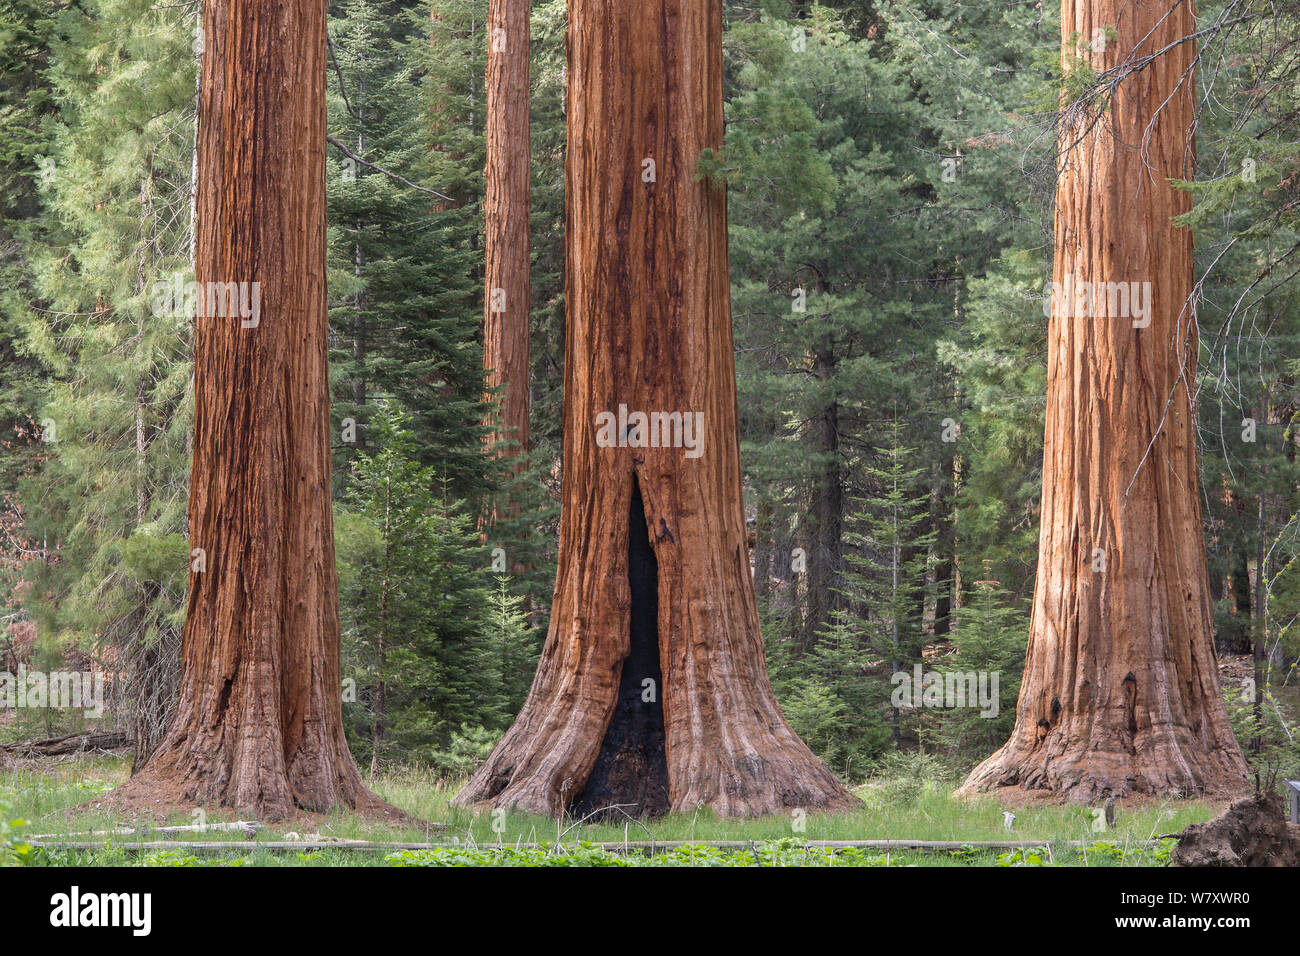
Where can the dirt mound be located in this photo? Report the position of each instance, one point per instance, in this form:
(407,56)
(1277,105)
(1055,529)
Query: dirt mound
(1251,832)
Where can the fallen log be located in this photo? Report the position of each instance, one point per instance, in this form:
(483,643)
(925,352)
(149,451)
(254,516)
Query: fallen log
(248,828)
(67,744)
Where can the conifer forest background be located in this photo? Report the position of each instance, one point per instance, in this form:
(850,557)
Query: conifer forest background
(890,170)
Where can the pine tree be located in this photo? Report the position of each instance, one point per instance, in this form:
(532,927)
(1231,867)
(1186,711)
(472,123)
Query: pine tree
(402,272)
(431,640)
(1245,222)
(839,693)
(26,106)
(888,563)
(988,637)
(819,197)
(115,408)
(1000,360)
(859,209)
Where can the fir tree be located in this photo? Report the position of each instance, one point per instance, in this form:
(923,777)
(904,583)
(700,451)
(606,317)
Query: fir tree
(405,313)
(110,500)
(432,642)
(838,695)
(26,106)
(988,637)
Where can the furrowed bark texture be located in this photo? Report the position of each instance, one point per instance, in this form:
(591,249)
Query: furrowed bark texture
(506,210)
(1121,687)
(649,327)
(259,723)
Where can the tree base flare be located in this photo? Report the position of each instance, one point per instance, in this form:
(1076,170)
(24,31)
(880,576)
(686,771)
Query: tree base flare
(1083,775)
(175,780)
(624,727)
(155,800)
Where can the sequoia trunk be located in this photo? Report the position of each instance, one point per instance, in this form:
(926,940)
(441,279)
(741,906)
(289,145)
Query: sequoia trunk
(506,210)
(649,331)
(1121,688)
(259,723)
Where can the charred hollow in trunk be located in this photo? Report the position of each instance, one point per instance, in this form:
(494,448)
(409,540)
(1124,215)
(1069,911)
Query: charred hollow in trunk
(631,770)
(648,326)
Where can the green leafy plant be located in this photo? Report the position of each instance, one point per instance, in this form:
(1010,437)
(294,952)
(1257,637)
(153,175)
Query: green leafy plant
(14,851)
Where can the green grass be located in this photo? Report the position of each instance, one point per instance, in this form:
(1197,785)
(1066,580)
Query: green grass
(912,807)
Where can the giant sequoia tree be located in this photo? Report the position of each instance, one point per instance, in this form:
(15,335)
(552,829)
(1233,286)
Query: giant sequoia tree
(652,692)
(505,326)
(1121,688)
(259,723)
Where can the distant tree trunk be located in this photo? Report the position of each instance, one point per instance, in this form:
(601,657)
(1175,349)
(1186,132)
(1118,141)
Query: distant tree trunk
(359,346)
(149,659)
(1241,587)
(1259,619)
(652,691)
(381,644)
(943,521)
(777,564)
(259,723)
(825,519)
(958,480)
(506,211)
(1121,686)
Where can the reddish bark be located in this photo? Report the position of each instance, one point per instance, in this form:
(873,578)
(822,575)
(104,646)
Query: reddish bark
(649,327)
(506,211)
(1121,687)
(259,722)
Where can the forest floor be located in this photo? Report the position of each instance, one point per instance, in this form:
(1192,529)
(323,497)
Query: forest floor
(912,802)
(43,793)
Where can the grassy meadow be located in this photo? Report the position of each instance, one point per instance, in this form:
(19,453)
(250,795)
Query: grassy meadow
(42,802)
